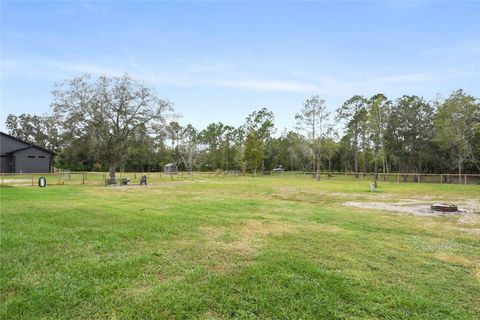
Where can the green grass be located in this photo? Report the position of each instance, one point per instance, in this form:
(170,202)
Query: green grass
(237,248)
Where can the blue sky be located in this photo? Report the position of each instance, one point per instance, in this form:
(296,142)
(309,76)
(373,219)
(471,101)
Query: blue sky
(219,61)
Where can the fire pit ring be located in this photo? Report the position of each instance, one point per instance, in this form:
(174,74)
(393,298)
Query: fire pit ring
(444,207)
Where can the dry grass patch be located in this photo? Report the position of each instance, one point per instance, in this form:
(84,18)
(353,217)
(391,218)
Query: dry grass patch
(461,261)
(245,238)
(472,231)
(454,259)
(227,247)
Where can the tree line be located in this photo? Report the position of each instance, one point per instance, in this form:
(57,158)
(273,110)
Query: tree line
(113,123)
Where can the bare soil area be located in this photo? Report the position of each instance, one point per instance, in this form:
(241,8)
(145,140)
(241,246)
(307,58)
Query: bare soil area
(468,208)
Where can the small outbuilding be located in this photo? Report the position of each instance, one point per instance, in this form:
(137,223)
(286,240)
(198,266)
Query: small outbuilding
(170,168)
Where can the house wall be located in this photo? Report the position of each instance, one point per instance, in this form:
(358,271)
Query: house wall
(8,144)
(32,160)
(4,163)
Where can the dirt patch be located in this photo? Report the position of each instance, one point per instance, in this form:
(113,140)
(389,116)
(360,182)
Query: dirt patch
(18,182)
(401,207)
(473,211)
(421,207)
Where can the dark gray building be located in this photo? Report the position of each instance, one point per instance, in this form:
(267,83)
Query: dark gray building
(18,156)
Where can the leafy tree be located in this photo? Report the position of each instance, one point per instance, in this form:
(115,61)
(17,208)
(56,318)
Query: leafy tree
(254,151)
(456,125)
(379,109)
(345,149)
(262,122)
(39,130)
(228,139)
(313,118)
(330,148)
(409,131)
(108,111)
(212,137)
(188,147)
(295,142)
(173,133)
(141,154)
(354,112)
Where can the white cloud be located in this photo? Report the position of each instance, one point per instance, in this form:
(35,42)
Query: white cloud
(229,75)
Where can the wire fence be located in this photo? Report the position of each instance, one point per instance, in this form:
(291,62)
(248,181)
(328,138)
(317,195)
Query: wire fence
(100,178)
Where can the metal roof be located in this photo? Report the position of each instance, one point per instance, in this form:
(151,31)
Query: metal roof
(30,145)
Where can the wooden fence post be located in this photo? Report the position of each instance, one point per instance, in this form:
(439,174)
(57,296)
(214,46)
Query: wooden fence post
(83,177)
(32,179)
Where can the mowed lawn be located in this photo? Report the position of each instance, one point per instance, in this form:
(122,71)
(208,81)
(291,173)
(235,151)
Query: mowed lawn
(236,248)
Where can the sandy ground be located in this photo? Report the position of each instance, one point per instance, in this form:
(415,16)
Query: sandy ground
(468,209)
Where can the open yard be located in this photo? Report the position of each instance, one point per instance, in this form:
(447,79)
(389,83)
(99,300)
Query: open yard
(237,247)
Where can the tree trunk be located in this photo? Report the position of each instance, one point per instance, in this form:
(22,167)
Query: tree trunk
(111,172)
(226,167)
(459,171)
(356,152)
(318,168)
(330,168)
(254,172)
(384,168)
(375,169)
(364,164)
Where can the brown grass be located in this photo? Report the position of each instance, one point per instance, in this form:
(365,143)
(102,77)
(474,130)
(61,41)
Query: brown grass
(223,244)
(454,259)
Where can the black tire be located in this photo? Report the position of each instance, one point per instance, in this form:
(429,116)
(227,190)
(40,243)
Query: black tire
(42,182)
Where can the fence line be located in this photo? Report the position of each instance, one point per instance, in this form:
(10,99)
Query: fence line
(99,178)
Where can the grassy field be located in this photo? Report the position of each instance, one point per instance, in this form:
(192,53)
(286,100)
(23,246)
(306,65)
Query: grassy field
(242,248)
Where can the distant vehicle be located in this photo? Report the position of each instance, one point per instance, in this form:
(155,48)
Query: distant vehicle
(278,168)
